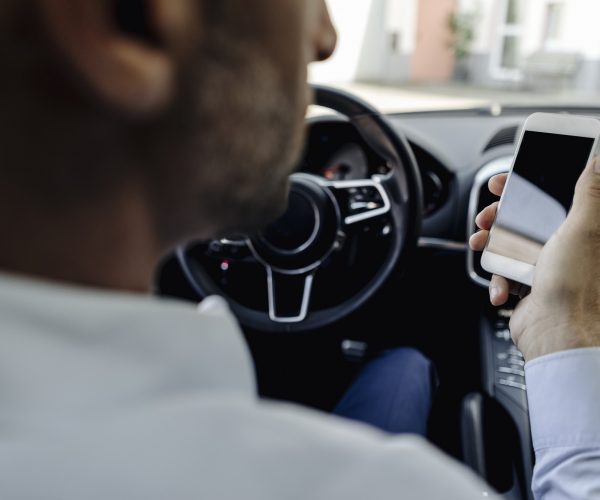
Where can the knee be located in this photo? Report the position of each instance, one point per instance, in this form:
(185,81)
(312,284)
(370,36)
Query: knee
(409,358)
(414,365)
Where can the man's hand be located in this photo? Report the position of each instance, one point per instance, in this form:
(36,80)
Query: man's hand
(500,287)
(563,310)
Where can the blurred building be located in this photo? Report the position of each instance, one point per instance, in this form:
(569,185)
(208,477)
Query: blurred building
(536,43)
(493,43)
(390,41)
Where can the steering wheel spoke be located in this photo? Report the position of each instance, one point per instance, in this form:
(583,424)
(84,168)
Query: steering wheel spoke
(289,295)
(361,200)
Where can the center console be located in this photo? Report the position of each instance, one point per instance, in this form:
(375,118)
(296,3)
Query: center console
(495,423)
(496,433)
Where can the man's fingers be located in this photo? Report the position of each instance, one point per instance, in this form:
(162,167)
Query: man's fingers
(486,217)
(484,221)
(497,183)
(478,241)
(499,290)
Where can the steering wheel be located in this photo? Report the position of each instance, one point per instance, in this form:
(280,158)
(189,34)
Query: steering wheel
(290,254)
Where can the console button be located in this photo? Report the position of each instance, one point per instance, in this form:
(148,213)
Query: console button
(511,371)
(515,361)
(510,383)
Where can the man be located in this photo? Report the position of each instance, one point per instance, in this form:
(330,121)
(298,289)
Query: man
(127,127)
(135,125)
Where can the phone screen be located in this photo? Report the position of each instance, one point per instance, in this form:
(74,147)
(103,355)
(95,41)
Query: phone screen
(539,193)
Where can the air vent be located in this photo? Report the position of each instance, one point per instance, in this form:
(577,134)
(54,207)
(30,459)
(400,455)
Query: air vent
(433,192)
(506,136)
(480,198)
(436,180)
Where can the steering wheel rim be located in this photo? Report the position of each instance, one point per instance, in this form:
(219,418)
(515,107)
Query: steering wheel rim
(402,187)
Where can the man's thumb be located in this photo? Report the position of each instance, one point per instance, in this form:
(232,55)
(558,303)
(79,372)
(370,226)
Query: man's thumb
(587,193)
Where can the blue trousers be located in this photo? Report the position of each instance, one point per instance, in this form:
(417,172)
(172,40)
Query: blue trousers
(393,392)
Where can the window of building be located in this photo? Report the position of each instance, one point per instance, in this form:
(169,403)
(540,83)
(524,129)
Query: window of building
(553,25)
(506,55)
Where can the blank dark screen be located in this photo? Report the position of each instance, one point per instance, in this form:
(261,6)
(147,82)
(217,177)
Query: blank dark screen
(539,193)
(553,163)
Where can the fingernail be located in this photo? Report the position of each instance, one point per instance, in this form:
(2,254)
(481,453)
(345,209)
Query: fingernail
(494,294)
(471,238)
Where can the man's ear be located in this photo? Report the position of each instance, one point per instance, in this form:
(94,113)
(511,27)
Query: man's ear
(127,50)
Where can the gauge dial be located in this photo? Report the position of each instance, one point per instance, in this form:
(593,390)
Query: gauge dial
(348,163)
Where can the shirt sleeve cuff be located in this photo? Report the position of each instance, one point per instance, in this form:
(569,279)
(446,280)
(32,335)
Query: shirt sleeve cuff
(563,390)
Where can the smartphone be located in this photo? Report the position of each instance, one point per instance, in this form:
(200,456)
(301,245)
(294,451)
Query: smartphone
(552,153)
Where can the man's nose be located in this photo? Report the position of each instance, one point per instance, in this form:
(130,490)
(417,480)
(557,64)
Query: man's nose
(325,37)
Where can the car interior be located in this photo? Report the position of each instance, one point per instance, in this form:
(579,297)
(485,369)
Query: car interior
(371,255)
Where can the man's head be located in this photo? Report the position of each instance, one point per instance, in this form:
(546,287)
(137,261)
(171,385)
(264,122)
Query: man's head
(194,106)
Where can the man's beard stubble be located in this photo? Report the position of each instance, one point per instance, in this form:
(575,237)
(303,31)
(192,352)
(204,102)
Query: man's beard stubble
(242,134)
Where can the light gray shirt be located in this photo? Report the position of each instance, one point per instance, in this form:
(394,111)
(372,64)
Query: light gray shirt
(564,403)
(125,397)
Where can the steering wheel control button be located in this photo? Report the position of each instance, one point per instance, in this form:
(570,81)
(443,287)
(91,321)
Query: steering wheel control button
(361,199)
(228,249)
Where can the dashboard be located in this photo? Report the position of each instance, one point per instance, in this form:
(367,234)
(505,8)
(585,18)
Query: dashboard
(437,304)
(457,153)
(471,147)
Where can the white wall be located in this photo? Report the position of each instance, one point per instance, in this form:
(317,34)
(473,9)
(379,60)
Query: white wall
(364,29)
(580,31)
(351,23)
(580,34)
(365,26)
(581,25)
(487,12)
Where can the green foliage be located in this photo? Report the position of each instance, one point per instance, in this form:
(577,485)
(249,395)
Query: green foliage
(462,27)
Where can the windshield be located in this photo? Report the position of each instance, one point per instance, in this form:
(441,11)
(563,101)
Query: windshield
(420,55)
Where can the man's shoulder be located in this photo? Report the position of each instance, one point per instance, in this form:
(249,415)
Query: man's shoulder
(231,446)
